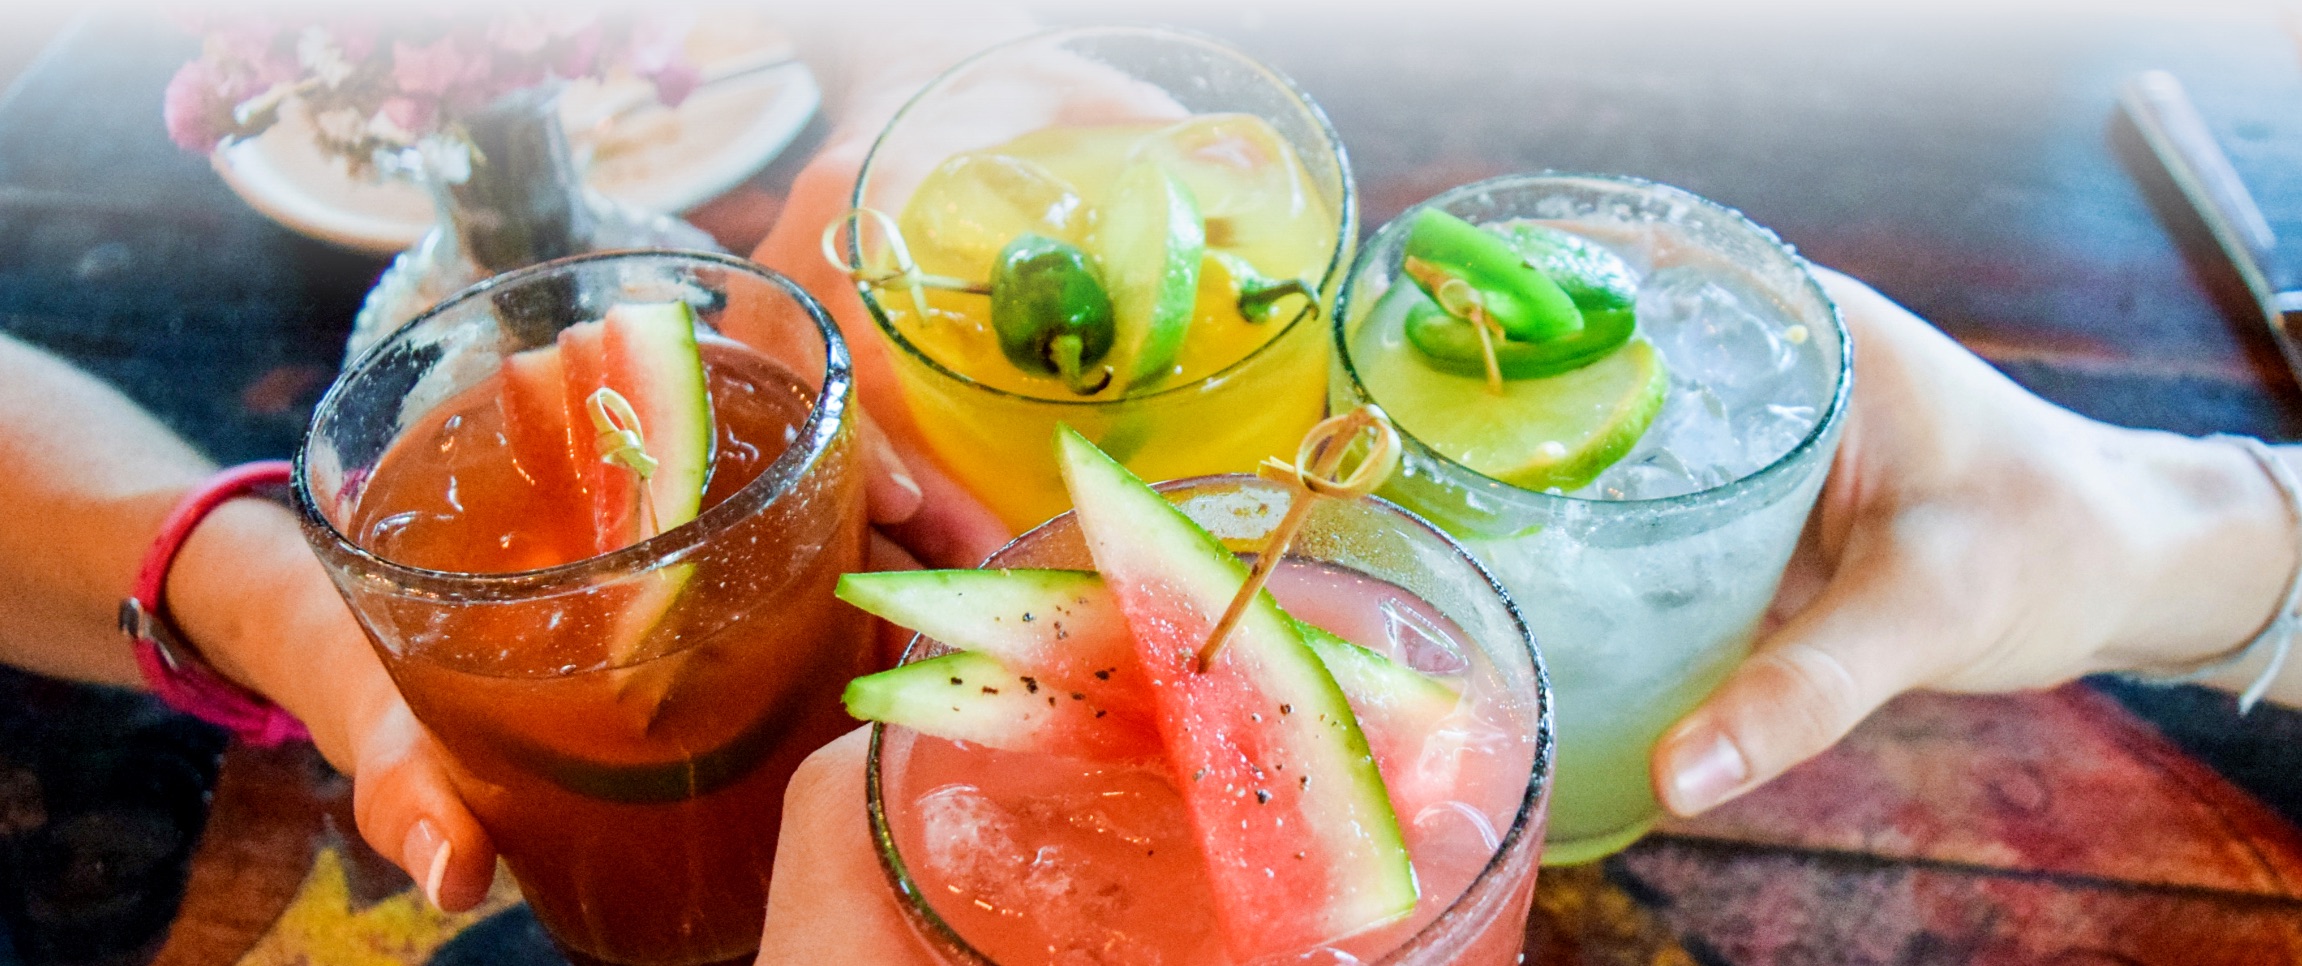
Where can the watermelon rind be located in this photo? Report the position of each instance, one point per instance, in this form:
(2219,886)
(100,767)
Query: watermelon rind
(965,696)
(1282,792)
(652,358)
(1372,681)
(1026,617)
(1034,619)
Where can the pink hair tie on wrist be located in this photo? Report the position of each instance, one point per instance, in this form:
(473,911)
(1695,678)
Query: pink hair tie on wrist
(172,668)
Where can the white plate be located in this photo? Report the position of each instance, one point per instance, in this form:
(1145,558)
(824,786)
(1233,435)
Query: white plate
(655,158)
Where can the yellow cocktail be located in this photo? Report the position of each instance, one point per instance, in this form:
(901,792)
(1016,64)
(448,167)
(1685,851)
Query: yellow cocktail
(1216,219)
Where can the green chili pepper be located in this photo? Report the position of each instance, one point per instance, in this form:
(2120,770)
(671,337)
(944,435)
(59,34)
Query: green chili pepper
(1451,345)
(1051,311)
(1466,268)
(1591,274)
(1259,295)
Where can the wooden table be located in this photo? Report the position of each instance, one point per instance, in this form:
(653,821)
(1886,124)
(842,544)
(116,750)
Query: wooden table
(1965,162)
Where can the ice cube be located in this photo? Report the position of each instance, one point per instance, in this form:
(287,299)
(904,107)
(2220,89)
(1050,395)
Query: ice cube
(1691,446)
(1419,643)
(1709,335)
(970,839)
(1768,431)
(1658,476)
(1079,906)
(1257,200)
(975,203)
(1322,956)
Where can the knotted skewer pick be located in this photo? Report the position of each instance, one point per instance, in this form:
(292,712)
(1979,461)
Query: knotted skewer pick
(621,443)
(1311,476)
(1459,299)
(906,272)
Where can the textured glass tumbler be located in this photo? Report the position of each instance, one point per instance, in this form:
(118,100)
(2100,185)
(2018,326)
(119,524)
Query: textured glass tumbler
(1486,923)
(636,796)
(1642,606)
(995,440)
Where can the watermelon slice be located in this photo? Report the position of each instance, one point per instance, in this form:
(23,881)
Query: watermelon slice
(1077,639)
(1060,626)
(966,696)
(647,354)
(1281,791)
(536,421)
(1401,710)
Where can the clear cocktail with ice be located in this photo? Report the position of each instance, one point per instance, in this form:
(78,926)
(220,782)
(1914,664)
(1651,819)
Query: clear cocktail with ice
(1640,507)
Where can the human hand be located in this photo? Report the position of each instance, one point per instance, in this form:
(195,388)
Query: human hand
(829,900)
(1973,537)
(252,596)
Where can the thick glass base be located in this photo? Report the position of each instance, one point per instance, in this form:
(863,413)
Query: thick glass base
(1579,851)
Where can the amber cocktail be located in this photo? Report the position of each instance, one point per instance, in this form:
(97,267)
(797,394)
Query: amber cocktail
(621,717)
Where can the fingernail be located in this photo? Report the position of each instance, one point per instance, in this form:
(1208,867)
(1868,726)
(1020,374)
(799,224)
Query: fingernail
(1712,777)
(888,509)
(427,850)
(905,481)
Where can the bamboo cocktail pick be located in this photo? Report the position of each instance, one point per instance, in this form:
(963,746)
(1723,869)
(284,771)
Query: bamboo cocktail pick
(1311,476)
(906,272)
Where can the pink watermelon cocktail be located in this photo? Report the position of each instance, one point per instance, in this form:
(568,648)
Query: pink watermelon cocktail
(1019,857)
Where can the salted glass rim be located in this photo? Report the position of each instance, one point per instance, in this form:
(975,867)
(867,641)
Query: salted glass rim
(1842,384)
(826,414)
(921,913)
(1338,264)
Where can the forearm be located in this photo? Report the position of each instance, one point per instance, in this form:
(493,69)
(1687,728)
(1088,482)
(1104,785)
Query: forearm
(88,478)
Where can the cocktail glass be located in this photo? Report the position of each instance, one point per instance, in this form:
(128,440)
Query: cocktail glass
(1642,605)
(1476,895)
(994,437)
(635,798)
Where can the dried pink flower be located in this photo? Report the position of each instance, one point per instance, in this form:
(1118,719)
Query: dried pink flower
(387,81)
(434,68)
(197,107)
(408,113)
(577,54)
(675,82)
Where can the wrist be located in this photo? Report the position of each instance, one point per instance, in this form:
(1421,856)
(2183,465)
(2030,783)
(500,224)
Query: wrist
(250,597)
(2215,548)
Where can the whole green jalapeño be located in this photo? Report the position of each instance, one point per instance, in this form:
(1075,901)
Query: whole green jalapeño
(1051,313)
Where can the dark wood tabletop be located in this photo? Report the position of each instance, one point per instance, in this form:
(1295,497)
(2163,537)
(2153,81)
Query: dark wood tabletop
(1964,160)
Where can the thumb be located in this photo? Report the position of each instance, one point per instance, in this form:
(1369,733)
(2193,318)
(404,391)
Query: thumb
(828,901)
(1862,641)
(408,809)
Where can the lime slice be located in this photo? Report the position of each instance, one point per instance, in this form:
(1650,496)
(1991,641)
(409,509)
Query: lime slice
(973,204)
(1149,240)
(1555,432)
(1252,189)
